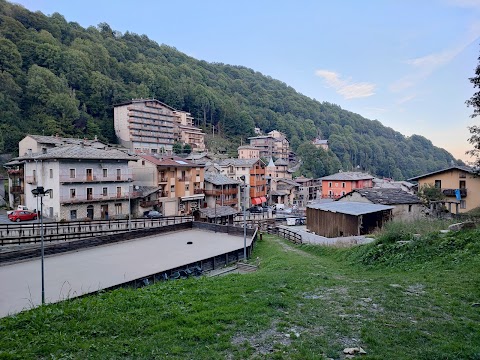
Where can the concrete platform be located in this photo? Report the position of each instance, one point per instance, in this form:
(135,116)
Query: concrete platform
(77,273)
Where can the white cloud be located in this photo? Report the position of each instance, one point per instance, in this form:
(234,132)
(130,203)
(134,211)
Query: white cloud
(405,99)
(465,3)
(345,87)
(424,66)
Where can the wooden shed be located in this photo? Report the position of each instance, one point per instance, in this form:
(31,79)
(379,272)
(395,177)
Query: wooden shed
(337,219)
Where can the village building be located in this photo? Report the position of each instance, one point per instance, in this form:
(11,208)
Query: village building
(406,206)
(179,183)
(84,182)
(274,144)
(284,191)
(32,144)
(248,152)
(343,218)
(320,144)
(220,190)
(151,126)
(253,171)
(459,184)
(309,191)
(339,184)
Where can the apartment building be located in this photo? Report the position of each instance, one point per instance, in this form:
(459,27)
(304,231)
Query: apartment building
(278,169)
(85,182)
(248,152)
(186,133)
(180,183)
(339,184)
(145,125)
(220,190)
(308,191)
(274,144)
(254,172)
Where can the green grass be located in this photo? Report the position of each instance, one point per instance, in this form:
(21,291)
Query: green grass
(396,301)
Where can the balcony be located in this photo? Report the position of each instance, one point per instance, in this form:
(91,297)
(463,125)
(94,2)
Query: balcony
(16,190)
(87,198)
(65,178)
(184,178)
(451,192)
(149,203)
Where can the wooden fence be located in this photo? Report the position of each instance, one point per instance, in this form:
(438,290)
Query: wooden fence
(17,234)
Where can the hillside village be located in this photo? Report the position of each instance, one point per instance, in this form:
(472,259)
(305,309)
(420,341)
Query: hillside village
(90,179)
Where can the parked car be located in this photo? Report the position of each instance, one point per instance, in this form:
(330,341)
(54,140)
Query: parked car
(268,208)
(22,215)
(255,209)
(152,214)
(19,207)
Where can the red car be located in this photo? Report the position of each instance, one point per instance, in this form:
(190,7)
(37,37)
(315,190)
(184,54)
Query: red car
(22,215)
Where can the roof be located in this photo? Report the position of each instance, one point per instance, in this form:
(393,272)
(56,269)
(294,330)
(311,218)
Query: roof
(348,176)
(59,141)
(386,196)
(239,162)
(288,181)
(219,179)
(302,179)
(281,162)
(79,152)
(271,163)
(250,147)
(320,142)
(176,161)
(467,169)
(218,211)
(279,192)
(144,101)
(350,207)
(148,190)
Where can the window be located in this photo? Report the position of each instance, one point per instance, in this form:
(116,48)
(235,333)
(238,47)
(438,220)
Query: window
(329,184)
(73,214)
(119,191)
(187,186)
(51,193)
(438,184)
(34,175)
(72,173)
(343,185)
(463,204)
(119,174)
(409,208)
(330,193)
(105,191)
(463,176)
(143,162)
(154,151)
(172,189)
(343,193)
(51,173)
(72,193)
(118,209)
(105,173)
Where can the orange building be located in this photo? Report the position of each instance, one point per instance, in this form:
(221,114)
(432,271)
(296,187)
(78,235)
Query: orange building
(337,185)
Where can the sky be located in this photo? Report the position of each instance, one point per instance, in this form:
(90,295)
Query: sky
(406,63)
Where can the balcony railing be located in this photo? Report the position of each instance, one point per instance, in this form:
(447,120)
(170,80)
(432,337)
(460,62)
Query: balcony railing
(451,192)
(184,178)
(68,199)
(220,192)
(149,203)
(66,178)
(16,189)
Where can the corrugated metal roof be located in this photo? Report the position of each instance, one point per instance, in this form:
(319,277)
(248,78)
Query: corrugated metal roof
(350,207)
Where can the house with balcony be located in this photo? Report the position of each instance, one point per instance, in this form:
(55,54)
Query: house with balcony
(459,184)
(309,190)
(186,133)
(85,182)
(255,178)
(284,191)
(274,144)
(179,183)
(341,183)
(220,190)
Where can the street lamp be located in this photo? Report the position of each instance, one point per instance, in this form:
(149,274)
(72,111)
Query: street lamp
(129,206)
(39,191)
(244,219)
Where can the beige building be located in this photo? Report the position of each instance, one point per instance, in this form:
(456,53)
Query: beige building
(180,182)
(274,144)
(32,144)
(248,152)
(221,190)
(186,133)
(459,184)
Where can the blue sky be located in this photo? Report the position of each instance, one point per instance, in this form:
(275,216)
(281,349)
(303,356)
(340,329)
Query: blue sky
(403,62)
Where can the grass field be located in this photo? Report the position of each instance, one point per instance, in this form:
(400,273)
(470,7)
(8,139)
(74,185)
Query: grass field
(418,299)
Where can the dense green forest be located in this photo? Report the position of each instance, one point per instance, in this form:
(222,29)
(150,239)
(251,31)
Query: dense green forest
(57,77)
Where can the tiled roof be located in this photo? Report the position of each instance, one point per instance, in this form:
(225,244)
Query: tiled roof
(219,179)
(288,181)
(348,176)
(80,152)
(59,141)
(248,147)
(281,162)
(238,162)
(302,179)
(387,196)
(176,161)
(461,168)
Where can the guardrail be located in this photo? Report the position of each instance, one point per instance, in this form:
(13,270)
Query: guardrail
(16,234)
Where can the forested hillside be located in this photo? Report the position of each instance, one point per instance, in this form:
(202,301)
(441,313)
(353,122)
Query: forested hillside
(57,77)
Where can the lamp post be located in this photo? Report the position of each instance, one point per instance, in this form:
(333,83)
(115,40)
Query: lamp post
(244,219)
(39,191)
(129,205)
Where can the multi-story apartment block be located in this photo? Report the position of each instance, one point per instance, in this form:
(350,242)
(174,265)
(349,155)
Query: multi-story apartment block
(248,152)
(186,133)
(309,190)
(274,144)
(145,125)
(85,182)
(220,190)
(254,172)
(339,184)
(180,182)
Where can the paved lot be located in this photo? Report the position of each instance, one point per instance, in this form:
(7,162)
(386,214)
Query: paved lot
(73,274)
(309,238)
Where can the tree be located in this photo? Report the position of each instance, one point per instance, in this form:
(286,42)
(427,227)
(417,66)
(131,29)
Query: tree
(474,101)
